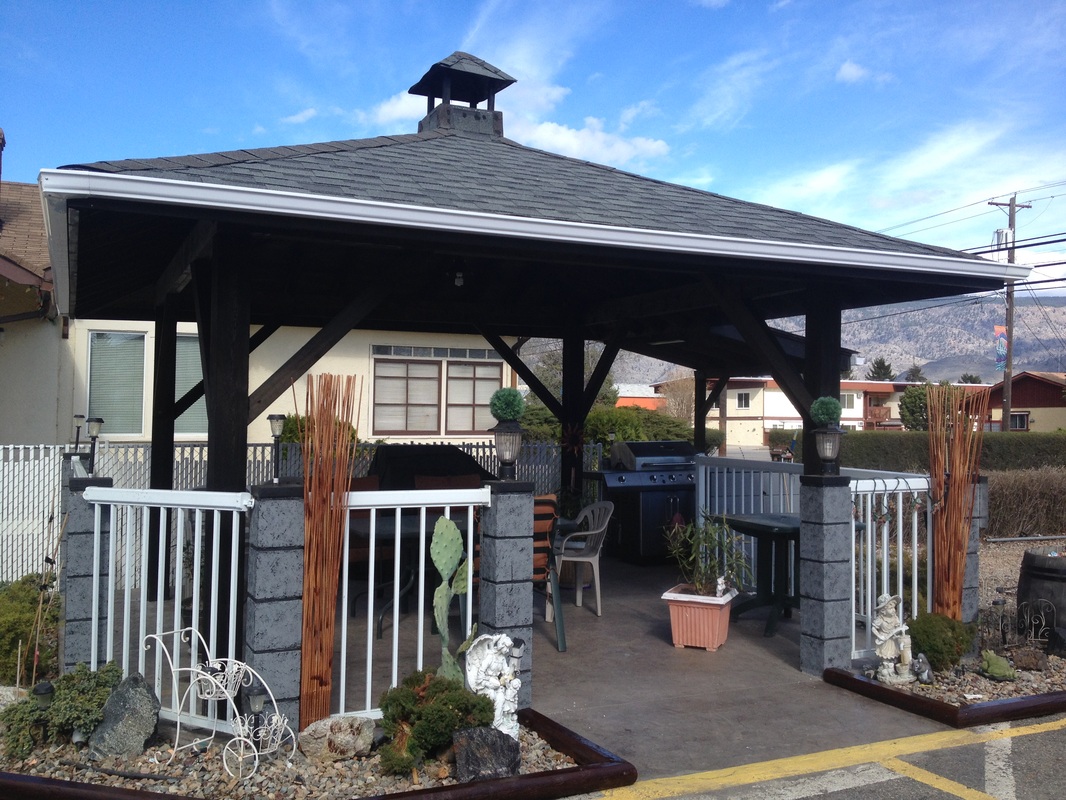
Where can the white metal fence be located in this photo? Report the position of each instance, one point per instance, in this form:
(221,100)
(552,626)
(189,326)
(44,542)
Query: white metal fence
(400,524)
(891,528)
(30,482)
(187,528)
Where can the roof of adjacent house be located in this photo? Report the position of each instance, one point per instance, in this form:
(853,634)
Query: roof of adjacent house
(451,169)
(23,242)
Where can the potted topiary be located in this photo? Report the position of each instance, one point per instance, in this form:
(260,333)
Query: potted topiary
(507,406)
(713,567)
(825,413)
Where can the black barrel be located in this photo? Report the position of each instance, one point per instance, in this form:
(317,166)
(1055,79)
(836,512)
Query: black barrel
(1043,577)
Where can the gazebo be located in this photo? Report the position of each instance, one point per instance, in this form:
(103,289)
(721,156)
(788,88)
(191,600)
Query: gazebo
(457,228)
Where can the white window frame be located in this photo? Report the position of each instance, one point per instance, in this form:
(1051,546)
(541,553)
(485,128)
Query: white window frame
(93,409)
(848,400)
(743,401)
(483,387)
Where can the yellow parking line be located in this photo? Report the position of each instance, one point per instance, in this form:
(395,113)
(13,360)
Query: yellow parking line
(936,781)
(878,752)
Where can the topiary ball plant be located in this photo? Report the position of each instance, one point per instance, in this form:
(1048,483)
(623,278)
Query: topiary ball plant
(507,405)
(825,412)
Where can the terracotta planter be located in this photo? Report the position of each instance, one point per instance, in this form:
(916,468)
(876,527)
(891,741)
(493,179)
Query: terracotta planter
(698,620)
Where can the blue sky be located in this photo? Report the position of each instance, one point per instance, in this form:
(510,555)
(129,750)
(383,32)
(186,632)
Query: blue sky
(883,115)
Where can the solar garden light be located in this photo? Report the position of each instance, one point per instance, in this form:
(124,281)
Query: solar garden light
(92,428)
(825,412)
(43,693)
(507,405)
(277,425)
(256,695)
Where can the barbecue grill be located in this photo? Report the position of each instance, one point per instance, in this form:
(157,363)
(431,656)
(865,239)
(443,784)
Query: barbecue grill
(651,485)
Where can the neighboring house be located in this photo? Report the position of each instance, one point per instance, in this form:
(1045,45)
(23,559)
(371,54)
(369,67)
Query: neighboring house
(640,395)
(1038,402)
(756,405)
(417,387)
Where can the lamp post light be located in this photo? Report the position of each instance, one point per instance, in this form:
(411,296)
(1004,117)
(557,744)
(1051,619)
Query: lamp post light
(277,425)
(508,436)
(827,443)
(92,428)
(43,693)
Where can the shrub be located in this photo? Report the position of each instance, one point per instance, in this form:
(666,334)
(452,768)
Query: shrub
(77,704)
(506,404)
(943,640)
(421,714)
(1027,502)
(19,602)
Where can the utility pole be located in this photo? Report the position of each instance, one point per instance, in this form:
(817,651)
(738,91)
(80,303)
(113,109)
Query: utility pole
(1008,372)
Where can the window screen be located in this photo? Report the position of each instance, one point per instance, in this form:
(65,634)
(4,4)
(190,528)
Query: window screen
(116,381)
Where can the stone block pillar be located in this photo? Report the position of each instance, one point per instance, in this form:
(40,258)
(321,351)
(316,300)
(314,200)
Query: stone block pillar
(76,573)
(978,525)
(273,610)
(506,588)
(825,573)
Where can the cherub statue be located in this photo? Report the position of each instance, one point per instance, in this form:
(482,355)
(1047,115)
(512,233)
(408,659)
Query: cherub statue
(893,645)
(490,671)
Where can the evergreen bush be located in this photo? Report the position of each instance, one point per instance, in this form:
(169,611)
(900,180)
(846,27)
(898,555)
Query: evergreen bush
(19,602)
(943,640)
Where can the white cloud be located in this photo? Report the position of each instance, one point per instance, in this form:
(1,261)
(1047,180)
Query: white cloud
(850,72)
(700,178)
(590,142)
(300,117)
(712,3)
(812,188)
(731,86)
(401,107)
(645,108)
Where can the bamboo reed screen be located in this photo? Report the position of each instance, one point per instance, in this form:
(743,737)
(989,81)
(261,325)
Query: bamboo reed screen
(956,429)
(328,458)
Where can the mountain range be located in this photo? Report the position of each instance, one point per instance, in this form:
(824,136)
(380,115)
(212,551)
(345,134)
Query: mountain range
(946,338)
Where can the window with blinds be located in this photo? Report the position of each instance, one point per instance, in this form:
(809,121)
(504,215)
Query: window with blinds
(116,381)
(470,387)
(407,397)
(188,374)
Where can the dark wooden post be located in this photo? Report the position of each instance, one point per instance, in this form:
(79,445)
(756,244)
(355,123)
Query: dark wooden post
(573,421)
(161,466)
(821,367)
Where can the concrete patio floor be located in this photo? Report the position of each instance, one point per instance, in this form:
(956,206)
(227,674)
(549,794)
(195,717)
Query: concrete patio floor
(673,711)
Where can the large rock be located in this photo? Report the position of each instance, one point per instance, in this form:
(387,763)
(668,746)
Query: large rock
(337,738)
(130,717)
(485,753)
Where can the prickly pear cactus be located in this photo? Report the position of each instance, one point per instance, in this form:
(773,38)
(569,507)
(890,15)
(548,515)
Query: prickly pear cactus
(446,552)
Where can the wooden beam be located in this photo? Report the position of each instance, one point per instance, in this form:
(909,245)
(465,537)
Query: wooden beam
(598,376)
(662,303)
(178,273)
(757,334)
(185,402)
(316,347)
(515,362)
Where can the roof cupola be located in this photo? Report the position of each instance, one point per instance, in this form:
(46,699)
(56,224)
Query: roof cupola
(462,78)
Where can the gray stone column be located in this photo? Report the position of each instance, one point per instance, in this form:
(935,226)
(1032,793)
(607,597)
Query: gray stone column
(506,587)
(273,609)
(76,572)
(825,573)
(978,525)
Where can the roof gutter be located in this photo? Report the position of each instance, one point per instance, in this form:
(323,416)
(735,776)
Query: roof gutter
(58,186)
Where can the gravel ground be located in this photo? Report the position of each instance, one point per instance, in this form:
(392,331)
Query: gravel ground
(203,776)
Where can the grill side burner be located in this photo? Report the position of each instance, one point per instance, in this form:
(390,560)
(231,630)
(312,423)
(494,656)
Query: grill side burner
(651,484)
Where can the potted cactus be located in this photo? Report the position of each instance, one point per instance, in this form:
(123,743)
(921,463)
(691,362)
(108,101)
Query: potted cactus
(713,567)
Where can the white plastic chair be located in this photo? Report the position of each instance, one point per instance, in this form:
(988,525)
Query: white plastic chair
(584,546)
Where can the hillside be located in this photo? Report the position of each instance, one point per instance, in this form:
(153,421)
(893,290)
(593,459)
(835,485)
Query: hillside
(945,337)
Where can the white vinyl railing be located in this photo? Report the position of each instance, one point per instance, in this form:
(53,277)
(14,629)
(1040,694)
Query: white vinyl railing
(401,522)
(30,485)
(187,527)
(892,530)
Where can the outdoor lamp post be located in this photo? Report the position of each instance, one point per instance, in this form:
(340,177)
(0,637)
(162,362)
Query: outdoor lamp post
(827,443)
(277,425)
(508,436)
(92,428)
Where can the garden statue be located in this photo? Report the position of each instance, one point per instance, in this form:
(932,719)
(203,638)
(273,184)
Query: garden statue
(492,671)
(922,670)
(893,644)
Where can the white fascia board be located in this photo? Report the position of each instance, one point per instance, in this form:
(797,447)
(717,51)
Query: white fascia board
(73,183)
